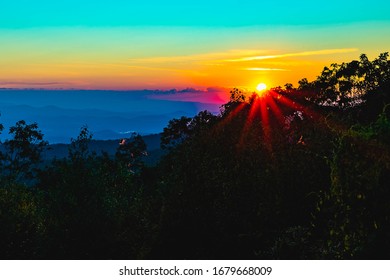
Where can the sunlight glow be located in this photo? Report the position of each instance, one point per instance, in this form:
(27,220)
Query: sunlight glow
(261,87)
(267,110)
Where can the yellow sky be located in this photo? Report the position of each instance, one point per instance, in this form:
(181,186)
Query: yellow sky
(163,58)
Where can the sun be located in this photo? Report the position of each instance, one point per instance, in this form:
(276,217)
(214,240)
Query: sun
(261,87)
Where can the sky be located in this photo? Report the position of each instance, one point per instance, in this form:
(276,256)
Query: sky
(122,45)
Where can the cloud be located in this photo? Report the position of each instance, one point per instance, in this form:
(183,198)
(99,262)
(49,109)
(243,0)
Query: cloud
(30,83)
(212,95)
(205,57)
(307,53)
(264,69)
(230,60)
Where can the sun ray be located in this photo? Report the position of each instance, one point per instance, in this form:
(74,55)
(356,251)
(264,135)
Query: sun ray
(253,113)
(267,114)
(265,124)
(231,115)
(276,110)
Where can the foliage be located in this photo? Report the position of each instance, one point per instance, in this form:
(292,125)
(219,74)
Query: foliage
(22,225)
(78,149)
(22,152)
(345,84)
(355,206)
(178,130)
(130,152)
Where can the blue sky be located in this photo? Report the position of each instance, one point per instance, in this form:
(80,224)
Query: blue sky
(233,13)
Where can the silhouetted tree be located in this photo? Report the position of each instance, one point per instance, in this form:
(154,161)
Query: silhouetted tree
(130,152)
(288,86)
(79,147)
(237,97)
(176,132)
(23,151)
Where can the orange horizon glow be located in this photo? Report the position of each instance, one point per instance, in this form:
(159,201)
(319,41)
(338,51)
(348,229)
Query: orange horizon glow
(79,59)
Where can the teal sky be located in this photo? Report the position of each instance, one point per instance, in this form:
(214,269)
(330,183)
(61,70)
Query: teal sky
(232,13)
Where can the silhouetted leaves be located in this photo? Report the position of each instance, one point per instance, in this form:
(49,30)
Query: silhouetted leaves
(22,152)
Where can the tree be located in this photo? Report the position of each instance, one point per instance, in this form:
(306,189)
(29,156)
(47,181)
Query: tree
(179,130)
(130,152)
(1,127)
(347,84)
(79,147)
(23,151)
(237,98)
(288,86)
(303,84)
(176,132)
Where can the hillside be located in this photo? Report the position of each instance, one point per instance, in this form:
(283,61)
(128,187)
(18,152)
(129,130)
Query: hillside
(152,141)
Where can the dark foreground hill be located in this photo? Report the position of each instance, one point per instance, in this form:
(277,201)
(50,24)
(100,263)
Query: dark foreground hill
(152,141)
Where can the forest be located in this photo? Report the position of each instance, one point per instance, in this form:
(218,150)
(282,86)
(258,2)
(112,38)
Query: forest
(293,173)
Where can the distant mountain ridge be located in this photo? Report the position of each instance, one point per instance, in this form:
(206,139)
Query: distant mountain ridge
(108,114)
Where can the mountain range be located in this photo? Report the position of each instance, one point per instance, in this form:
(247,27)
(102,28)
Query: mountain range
(108,114)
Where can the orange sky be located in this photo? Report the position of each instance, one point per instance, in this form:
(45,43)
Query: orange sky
(179,57)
